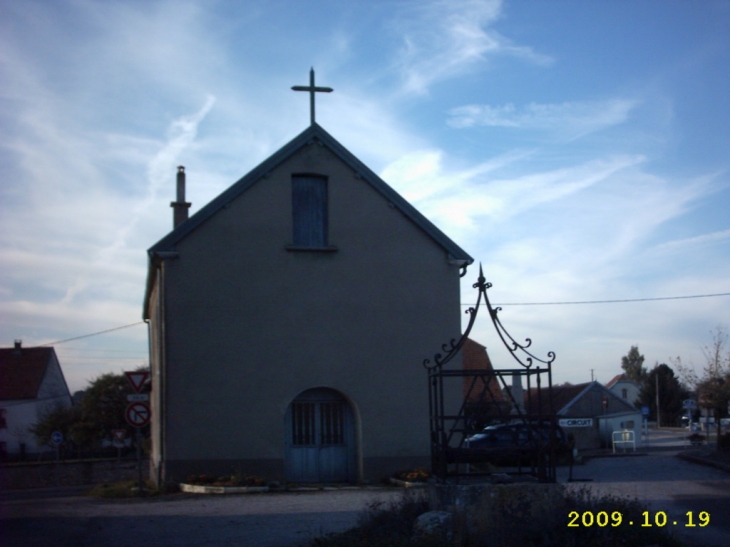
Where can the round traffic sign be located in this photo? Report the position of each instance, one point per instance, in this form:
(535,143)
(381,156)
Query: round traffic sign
(56,437)
(138,414)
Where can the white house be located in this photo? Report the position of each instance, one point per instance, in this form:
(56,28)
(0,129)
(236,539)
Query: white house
(624,389)
(31,383)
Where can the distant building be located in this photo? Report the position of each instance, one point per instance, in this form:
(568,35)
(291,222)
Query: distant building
(591,413)
(626,389)
(31,384)
(289,320)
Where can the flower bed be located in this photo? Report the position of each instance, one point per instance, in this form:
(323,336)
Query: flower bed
(203,489)
(226,484)
(415,478)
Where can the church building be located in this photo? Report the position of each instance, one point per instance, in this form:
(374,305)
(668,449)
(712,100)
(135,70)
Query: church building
(289,319)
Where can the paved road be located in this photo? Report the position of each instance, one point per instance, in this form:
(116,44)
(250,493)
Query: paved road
(266,520)
(667,484)
(661,479)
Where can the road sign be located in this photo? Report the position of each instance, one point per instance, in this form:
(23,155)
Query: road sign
(119,434)
(137,379)
(138,397)
(56,437)
(138,414)
(689,404)
(645,410)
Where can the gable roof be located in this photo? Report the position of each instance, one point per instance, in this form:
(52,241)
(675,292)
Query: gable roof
(566,396)
(22,371)
(619,378)
(313,132)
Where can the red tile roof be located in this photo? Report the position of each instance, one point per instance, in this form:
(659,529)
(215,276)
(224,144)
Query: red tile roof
(475,357)
(617,378)
(22,371)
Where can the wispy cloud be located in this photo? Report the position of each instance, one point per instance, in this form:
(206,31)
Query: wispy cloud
(677,245)
(444,38)
(568,118)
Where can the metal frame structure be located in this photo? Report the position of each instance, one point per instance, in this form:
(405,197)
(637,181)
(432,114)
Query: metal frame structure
(450,454)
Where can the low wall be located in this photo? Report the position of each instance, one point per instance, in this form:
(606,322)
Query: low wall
(69,473)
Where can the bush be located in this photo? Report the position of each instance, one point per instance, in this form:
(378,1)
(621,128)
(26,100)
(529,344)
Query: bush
(236,479)
(391,525)
(385,525)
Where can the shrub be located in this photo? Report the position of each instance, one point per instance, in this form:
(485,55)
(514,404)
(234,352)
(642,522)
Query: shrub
(385,525)
(236,479)
(391,525)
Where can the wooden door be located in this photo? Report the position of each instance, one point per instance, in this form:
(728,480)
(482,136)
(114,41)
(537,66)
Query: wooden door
(320,433)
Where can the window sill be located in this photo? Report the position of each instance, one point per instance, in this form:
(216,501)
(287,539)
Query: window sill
(328,249)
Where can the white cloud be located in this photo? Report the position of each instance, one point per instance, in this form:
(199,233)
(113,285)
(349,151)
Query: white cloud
(569,118)
(444,38)
(679,245)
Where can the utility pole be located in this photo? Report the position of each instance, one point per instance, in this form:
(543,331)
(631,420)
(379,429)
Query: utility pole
(658,415)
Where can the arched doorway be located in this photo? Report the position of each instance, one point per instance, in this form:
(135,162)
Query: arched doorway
(320,438)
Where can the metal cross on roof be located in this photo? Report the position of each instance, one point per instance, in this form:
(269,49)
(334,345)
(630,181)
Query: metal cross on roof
(312,89)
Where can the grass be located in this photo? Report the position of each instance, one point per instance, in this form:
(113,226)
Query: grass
(391,525)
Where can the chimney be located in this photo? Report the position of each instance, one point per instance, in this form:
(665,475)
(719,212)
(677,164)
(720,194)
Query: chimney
(18,346)
(180,207)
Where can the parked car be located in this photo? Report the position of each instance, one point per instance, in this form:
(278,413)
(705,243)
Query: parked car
(515,434)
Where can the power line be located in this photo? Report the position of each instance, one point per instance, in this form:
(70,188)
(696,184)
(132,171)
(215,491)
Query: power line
(607,301)
(463,304)
(92,334)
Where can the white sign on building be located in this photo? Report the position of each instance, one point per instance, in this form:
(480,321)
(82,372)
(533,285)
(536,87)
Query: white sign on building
(576,422)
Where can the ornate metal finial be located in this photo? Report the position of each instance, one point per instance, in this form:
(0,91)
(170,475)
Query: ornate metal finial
(312,90)
(518,351)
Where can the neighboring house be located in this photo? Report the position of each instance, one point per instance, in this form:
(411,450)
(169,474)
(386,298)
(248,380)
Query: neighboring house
(31,383)
(591,413)
(289,319)
(625,389)
(482,391)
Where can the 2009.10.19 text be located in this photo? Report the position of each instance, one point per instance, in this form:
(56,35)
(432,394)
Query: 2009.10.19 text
(648,519)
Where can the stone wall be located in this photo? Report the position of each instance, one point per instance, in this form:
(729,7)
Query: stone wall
(69,473)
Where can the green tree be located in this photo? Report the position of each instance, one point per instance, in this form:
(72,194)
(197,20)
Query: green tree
(58,418)
(671,395)
(100,410)
(633,365)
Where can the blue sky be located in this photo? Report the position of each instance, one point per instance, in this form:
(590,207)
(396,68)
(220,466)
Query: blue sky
(579,149)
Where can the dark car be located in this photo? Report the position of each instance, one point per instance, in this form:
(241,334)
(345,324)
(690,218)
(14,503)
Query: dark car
(517,442)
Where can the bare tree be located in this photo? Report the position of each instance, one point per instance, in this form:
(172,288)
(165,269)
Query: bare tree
(713,385)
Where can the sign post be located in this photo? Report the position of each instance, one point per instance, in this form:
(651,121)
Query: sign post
(57,440)
(138,413)
(645,416)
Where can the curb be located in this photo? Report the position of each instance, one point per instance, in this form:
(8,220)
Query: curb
(199,489)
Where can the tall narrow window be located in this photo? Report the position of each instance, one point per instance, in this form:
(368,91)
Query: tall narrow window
(309,210)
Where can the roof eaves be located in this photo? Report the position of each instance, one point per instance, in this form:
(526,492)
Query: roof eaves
(393,197)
